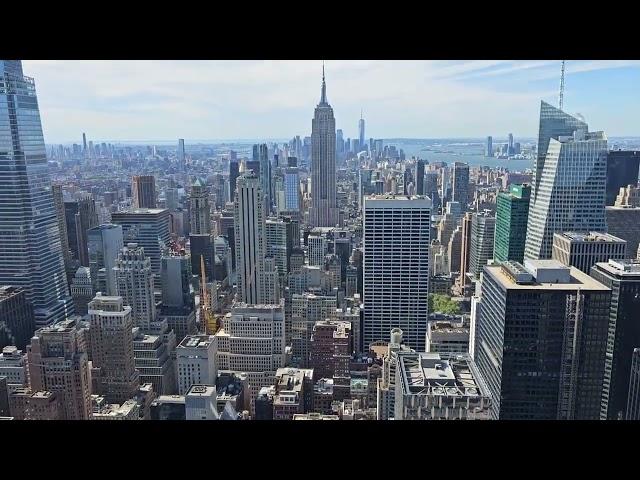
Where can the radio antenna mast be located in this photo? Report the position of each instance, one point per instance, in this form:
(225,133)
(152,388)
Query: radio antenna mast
(561,86)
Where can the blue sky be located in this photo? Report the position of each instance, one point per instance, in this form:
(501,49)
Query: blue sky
(166,100)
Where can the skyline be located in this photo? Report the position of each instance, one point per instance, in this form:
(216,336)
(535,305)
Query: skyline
(236,100)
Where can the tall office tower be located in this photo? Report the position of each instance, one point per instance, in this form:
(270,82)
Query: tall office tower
(149,228)
(512,212)
(104,243)
(58,363)
(234,173)
(176,276)
(454,250)
(361,132)
(16,317)
(339,143)
(461,184)
(111,327)
(541,341)
(252,341)
(196,362)
(271,285)
(30,248)
(82,290)
(199,209)
(510,145)
(571,192)
(250,239)
(323,211)
(292,189)
(182,159)
(407,182)
(306,310)
(465,249)
(396,238)
(134,283)
(85,150)
(330,352)
(80,216)
(419,174)
(483,228)
(633,400)
(553,123)
(584,249)
(489,148)
(276,244)
(153,361)
(622,170)
(623,278)
(355,144)
(318,248)
(143,191)
(264,174)
(58,200)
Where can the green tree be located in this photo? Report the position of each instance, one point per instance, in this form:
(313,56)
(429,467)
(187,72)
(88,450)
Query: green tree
(444,304)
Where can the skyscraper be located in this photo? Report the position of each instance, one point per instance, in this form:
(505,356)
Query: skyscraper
(199,209)
(234,172)
(461,184)
(541,341)
(104,243)
(622,170)
(112,348)
(323,211)
(396,238)
(633,401)
(489,149)
(569,194)
(58,362)
(623,278)
(181,155)
(420,177)
(143,191)
(30,248)
(584,249)
(510,145)
(361,132)
(134,283)
(16,318)
(265,177)
(483,229)
(250,239)
(58,200)
(292,189)
(512,212)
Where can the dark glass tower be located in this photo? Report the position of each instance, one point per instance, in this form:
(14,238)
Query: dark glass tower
(30,247)
(512,212)
(622,170)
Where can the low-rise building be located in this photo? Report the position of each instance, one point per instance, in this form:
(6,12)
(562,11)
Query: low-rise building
(42,405)
(13,366)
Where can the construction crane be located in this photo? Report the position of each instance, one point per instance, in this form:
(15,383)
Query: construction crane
(209,320)
(561,86)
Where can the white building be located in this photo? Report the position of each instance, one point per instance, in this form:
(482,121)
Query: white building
(13,366)
(252,341)
(584,250)
(196,360)
(396,267)
(318,248)
(201,403)
(134,283)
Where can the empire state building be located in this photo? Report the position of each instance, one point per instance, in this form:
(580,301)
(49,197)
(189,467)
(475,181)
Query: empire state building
(323,211)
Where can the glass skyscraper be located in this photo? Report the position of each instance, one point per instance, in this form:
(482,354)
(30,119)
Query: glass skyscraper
(512,211)
(569,189)
(30,246)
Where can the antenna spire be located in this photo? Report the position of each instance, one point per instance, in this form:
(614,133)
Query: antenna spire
(323,97)
(561,100)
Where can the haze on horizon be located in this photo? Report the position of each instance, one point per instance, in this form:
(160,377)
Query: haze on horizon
(165,100)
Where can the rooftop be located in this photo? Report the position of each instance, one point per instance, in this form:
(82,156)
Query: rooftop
(625,268)
(201,391)
(589,236)
(576,278)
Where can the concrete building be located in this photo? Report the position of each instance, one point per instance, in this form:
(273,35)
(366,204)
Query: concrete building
(58,363)
(13,367)
(25,404)
(199,209)
(201,403)
(147,227)
(58,200)
(293,392)
(541,340)
(584,250)
(176,281)
(153,361)
(80,216)
(104,243)
(465,250)
(17,323)
(622,170)
(318,248)
(628,196)
(330,352)
(196,362)
(82,290)
(129,410)
(276,244)
(447,337)
(143,191)
(252,341)
(112,348)
(439,386)
(396,238)
(623,278)
(460,190)
(168,407)
(135,284)
(306,310)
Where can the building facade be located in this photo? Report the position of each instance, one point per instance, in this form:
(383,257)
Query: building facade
(512,212)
